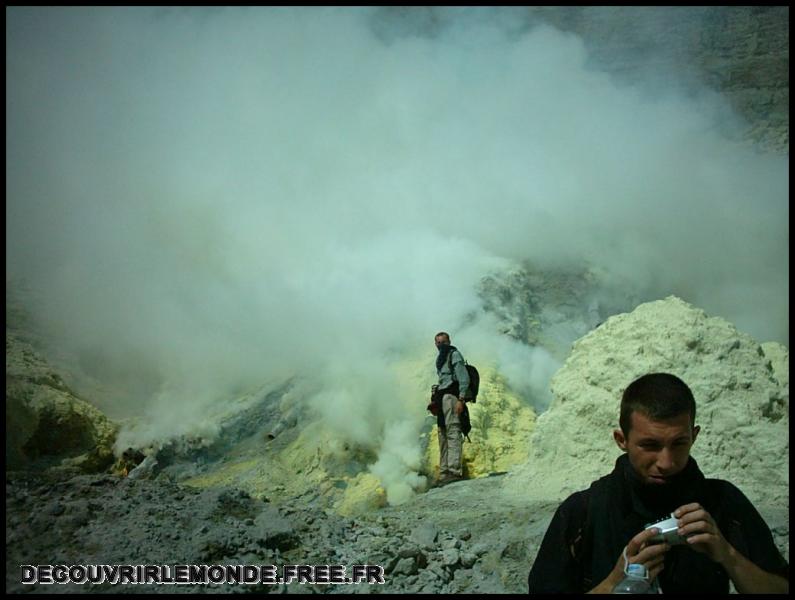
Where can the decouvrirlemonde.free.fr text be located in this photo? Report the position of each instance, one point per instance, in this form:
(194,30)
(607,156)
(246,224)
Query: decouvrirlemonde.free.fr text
(201,574)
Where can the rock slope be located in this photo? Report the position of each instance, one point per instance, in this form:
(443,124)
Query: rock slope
(741,390)
(46,423)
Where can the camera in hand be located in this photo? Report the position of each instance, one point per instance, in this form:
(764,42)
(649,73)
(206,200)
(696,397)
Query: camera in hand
(668,527)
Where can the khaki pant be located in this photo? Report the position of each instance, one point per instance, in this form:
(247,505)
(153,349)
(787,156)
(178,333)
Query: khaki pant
(450,439)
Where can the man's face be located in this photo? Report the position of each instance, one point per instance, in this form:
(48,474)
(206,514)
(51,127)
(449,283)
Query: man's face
(441,340)
(657,449)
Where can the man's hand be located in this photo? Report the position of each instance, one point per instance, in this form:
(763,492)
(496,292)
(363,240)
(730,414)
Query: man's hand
(702,533)
(639,550)
(459,406)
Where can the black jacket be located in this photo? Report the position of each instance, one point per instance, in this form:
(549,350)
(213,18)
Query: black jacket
(590,529)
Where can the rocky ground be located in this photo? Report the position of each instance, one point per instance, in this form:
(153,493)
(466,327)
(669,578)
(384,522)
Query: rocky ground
(471,536)
(465,537)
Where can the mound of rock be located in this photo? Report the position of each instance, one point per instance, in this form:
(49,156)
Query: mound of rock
(47,425)
(741,390)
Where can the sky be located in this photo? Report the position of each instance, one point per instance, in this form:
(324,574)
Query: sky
(206,199)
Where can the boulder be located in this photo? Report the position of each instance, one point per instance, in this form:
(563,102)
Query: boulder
(47,425)
(741,390)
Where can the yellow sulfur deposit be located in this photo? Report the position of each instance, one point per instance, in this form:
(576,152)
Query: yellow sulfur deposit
(363,494)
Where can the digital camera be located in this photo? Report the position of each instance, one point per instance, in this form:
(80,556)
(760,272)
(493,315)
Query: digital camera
(667,526)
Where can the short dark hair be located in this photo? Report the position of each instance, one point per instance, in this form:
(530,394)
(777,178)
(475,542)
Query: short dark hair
(659,396)
(444,333)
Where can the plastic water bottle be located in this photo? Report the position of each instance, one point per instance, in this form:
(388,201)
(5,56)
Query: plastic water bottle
(634,582)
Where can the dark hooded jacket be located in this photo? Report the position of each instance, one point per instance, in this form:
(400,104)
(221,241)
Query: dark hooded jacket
(590,529)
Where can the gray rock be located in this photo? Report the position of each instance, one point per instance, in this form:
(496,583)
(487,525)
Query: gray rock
(480,549)
(451,543)
(450,557)
(272,530)
(425,535)
(376,531)
(389,563)
(406,566)
(55,509)
(468,559)
(144,469)
(408,551)
(441,574)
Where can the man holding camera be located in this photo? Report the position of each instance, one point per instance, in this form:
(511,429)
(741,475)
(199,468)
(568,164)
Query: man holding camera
(713,534)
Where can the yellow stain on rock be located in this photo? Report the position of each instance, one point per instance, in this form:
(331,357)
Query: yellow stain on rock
(226,474)
(317,461)
(363,494)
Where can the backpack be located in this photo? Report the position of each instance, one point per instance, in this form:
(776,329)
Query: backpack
(474,384)
(474,381)
(474,378)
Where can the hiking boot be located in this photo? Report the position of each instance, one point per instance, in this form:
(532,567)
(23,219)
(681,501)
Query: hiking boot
(439,482)
(445,479)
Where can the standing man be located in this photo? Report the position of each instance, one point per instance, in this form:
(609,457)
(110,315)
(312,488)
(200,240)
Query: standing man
(719,535)
(449,402)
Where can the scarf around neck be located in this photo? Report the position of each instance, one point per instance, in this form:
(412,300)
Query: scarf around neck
(655,501)
(444,350)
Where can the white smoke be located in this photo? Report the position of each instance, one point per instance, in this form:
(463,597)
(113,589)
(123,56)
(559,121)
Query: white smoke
(399,461)
(207,199)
